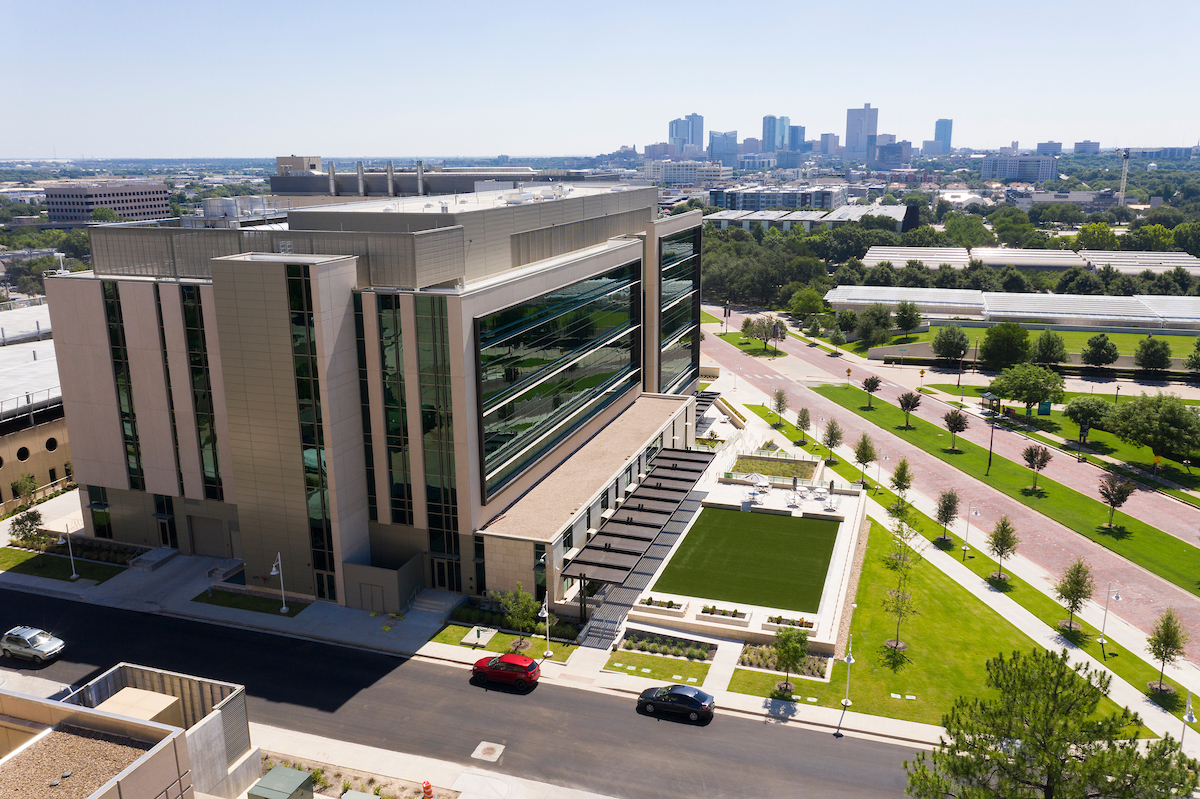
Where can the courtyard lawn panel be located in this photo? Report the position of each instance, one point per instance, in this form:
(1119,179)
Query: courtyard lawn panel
(753,346)
(54,567)
(774,468)
(661,668)
(251,602)
(502,642)
(741,558)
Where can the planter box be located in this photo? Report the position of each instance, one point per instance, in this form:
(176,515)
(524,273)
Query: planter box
(677,613)
(771,627)
(730,620)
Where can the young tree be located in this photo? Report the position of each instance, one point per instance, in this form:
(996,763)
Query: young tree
(947,509)
(833,437)
(909,402)
(1037,735)
(24,486)
(908,316)
(1004,344)
(1192,361)
(806,302)
(837,338)
(1002,542)
(1100,351)
(956,422)
(1028,384)
(871,385)
(1036,458)
(791,647)
(901,482)
(1088,411)
(1114,490)
(951,342)
(779,403)
(899,604)
(1153,354)
(1049,347)
(26,528)
(1167,642)
(1162,422)
(1075,588)
(864,454)
(814,328)
(520,609)
(803,422)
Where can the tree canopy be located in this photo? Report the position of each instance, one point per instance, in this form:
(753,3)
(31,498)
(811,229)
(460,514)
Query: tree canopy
(1161,422)
(1004,344)
(1028,384)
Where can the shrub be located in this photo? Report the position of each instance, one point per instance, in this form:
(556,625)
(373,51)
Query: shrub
(628,644)
(677,651)
(652,649)
(641,646)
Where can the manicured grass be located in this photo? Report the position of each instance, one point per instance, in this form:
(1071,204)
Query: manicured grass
(661,668)
(752,346)
(502,642)
(258,604)
(706,318)
(1109,396)
(774,468)
(705,385)
(1163,554)
(56,567)
(950,641)
(859,348)
(810,342)
(752,559)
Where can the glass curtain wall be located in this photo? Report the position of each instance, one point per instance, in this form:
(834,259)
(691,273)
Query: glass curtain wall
(120,364)
(395,408)
(162,343)
(679,329)
(202,395)
(312,434)
(437,425)
(365,402)
(548,365)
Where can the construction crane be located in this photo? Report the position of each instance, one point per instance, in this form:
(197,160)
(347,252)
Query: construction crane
(1124,174)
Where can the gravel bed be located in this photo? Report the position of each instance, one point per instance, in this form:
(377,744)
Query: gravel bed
(93,758)
(860,552)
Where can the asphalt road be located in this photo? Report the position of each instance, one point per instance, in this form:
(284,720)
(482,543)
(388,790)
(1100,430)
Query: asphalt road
(571,737)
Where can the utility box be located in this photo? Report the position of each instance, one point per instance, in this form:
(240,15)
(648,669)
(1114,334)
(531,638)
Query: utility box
(283,783)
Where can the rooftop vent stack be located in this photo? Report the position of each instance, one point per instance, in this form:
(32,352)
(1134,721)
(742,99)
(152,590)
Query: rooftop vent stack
(362,181)
(332,181)
(445,207)
(420,178)
(391,180)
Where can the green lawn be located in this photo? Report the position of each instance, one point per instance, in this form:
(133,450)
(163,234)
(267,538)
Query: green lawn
(258,604)
(859,348)
(56,567)
(1133,539)
(1129,666)
(706,318)
(977,391)
(950,642)
(661,668)
(752,559)
(775,468)
(752,346)
(502,642)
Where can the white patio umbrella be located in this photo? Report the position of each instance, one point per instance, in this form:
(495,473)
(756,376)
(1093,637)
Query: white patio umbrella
(758,480)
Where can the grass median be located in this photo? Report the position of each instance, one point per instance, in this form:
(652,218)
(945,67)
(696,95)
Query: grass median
(55,567)
(251,602)
(1160,553)
(752,346)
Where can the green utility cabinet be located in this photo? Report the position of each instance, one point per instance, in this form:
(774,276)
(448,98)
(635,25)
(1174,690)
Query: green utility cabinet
(283,783)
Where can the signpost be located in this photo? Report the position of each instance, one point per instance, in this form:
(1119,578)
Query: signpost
(847,378)
(922,378)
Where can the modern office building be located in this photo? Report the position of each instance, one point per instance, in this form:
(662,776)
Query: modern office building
(1087,147)
(1028,168)
(1049,148)
(679,133)
(677,172)
(770,134)
(795,141)
(931,148)
(362,389)
(695,129)
(861,128)
(765,198)
(133,201)
(942,130)
(829,144)
(723,147)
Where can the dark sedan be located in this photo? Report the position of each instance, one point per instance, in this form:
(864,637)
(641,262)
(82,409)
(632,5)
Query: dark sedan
(677,700)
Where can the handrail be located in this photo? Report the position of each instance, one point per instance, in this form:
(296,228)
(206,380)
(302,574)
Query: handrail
(412,598)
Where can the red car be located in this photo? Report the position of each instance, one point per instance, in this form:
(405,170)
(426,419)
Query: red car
(516,670)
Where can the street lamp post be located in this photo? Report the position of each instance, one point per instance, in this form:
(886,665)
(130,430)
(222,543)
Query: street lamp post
(544,615)
(1104,624)
(991,440)
(967,532)
(277,569)
(849,662)
(1188,718)
(66,538)
(1117,398)
(877,465)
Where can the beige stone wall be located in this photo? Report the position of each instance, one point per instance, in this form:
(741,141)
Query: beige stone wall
(181,395)
(508,561)
(148,383)
(39,461)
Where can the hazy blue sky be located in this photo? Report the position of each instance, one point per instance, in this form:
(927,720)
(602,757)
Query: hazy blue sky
(215,78)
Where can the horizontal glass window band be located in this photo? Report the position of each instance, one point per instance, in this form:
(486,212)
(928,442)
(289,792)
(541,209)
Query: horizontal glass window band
(679,279)
(678,357)
(500,325)
(680,316)
(678,246)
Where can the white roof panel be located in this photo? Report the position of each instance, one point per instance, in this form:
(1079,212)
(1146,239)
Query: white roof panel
(1029,259)
(932,257)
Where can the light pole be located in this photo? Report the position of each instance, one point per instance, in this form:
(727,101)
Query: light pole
(877,464)
(544,615)
(277,569)
(967,532)
(991,440)
(1104,624)
(1117,399)
(66,538)
(1188,718)
(849,662)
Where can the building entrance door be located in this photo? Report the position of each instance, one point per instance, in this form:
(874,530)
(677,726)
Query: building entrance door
(447,575)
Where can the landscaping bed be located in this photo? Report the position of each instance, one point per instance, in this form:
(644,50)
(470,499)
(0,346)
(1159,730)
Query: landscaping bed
(763,657)
(785,622)
(508,641)
(657,667)
(774,467)
(472,614)
(83,547)
(55,567)
(333,780)
(656,644)
(251,602)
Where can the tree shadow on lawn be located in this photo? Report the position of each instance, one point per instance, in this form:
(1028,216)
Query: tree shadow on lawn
(1030,491)
(868,408)
(1116,531)
(1078,638)
(892,658)
(951,451)
(1000,586)
(944,544)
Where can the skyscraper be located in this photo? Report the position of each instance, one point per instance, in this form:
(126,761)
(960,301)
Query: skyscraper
(941,132)
(781,134)
(770,133)
(795,137)
(723,147)
(695,129)
(861,126)
(679,133)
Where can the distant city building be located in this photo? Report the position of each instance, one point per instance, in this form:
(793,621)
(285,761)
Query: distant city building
(790,159)
(861,128)
(659,150)
(751,145)
(942,130)
(829,143)
(133,201)
(1049,148)
(795,138)
(763,198)
(1088,201)
(751,162)
(296,164)
(1172,152)
(1086,147)
(679,133)
(781,133)
(885,138)
(676,172)
(695,130)
(723,147)
(1031,168)
(769,133)
(893,155)
(31,196)
(931,147)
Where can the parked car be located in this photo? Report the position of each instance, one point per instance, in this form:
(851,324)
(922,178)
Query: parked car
(32,643)
(677,700)
(518,671)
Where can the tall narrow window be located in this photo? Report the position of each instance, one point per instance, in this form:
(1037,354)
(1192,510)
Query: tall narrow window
(202,396)
(98,505)
(312,434)
(365,402)
(395,408)
(162,343)
(120,364)
(437,423)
